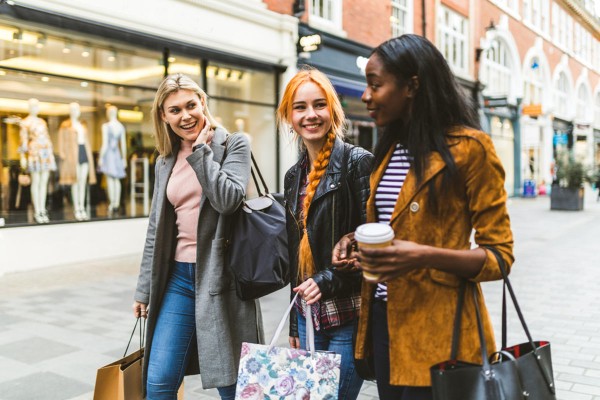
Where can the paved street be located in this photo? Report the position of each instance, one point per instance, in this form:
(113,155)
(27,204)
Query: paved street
(58,325)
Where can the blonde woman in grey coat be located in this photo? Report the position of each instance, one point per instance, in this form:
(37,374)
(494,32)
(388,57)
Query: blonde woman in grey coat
(195,321)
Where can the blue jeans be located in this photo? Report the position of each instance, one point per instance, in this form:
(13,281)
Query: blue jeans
(174,337)
(338,340)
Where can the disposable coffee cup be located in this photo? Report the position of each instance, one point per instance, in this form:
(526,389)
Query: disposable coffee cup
(373,235)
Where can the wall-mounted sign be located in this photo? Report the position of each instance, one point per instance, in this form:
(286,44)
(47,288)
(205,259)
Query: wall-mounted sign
(532,110)
(309,43)
(495,101)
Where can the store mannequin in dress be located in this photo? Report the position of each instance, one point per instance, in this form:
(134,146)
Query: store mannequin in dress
(37,157)
(112,161)
(77,168)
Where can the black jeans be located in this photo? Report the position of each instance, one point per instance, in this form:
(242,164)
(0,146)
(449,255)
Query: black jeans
(381,353)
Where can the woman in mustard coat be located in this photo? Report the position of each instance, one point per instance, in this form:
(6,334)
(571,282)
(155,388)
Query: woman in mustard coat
(436,180)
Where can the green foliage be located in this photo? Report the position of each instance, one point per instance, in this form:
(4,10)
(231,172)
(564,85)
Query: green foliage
(571,173)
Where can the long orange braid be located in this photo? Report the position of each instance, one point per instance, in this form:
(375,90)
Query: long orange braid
(306,263)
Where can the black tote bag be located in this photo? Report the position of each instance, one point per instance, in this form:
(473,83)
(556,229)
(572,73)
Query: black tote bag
(256,252)
(521,372)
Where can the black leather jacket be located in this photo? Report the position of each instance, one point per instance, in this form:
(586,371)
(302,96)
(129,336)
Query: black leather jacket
(336,209)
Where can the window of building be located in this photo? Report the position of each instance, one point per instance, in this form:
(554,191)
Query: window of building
(401,18)
(534,85)
(536,13)
(453,39)
(326,13)
(496,70)
(583,102)
(597,111)
(562,93)
(509,5)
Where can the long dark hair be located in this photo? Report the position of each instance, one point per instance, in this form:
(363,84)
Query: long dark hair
(438,105)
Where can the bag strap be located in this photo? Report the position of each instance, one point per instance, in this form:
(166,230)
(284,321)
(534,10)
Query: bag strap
(254,170)
(310,333)
(507,284)
(457,320)
(537,357)
(142,333)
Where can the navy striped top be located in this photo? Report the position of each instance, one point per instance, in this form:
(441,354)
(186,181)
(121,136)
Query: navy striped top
(387,194)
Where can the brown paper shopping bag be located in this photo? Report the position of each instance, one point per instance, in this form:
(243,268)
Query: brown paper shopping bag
(122,379)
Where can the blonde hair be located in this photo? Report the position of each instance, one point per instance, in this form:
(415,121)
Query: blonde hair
(306,263)
(165,136)
(309,74)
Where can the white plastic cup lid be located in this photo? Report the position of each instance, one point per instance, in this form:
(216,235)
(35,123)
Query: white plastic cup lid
(374,233)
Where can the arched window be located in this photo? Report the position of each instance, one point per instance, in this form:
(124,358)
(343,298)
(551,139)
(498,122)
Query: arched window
(562,93)
(534,87)
(496,70)
(583,102)
(597,111)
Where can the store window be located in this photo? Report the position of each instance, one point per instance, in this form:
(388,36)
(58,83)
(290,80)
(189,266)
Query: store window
(84,84)
(501,130)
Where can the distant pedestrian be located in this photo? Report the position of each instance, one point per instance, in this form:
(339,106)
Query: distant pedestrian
(196,322)
(598,183)
(326,192)
(436,179)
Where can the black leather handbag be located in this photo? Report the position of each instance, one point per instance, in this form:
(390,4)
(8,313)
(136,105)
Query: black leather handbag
(256,251)
(521,372)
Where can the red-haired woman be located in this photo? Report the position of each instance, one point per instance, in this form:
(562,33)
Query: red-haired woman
(325,194)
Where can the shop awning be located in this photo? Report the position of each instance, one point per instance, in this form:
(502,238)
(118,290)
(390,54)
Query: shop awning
(348,87)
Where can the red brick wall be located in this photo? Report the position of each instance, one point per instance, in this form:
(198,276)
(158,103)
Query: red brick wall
(280,6)
(367,21)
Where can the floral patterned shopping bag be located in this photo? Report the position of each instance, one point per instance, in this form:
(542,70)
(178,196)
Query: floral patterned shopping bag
(269,372)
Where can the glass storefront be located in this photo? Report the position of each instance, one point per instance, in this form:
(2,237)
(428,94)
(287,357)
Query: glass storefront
(46,72)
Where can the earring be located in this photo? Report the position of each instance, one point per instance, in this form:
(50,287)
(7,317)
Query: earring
(291,130)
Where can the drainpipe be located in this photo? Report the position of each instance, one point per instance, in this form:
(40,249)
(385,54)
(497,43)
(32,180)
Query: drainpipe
(424,19)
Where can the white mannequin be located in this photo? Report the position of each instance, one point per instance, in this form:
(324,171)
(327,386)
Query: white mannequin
(40,160)
(78,190)
(110,163)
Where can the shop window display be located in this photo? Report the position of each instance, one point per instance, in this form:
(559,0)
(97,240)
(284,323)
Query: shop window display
(66,89)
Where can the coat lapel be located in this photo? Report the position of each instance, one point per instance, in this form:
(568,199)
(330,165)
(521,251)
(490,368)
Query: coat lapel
(410,189)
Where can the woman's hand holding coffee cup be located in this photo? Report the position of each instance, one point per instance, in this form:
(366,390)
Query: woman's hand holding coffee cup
(386,263)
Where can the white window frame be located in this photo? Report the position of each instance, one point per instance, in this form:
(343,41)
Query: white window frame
(454,40)
(533,92)
(562,94)
(582,101)
(497,72)
(597,111)
(331,20)
(401,19)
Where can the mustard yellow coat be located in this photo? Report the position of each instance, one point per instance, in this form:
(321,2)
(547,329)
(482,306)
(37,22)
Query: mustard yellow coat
(422,304)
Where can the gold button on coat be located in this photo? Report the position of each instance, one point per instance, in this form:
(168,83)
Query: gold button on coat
(414,206)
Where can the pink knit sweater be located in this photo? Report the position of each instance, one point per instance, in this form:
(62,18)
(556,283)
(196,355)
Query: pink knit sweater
(183,192)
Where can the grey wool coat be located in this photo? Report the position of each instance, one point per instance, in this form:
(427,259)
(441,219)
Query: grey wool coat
(223,321)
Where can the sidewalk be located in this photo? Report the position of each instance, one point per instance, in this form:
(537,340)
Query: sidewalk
(58,325)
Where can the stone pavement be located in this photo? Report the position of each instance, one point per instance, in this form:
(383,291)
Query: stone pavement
(58,325)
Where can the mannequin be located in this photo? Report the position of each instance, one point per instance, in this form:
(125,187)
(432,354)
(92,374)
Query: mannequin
(37,156)
(112,161)
(77,168)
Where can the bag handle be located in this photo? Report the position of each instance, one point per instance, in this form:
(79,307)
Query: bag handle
(507,284)
(142,333)
(254,170)
(457,324)
(310,333)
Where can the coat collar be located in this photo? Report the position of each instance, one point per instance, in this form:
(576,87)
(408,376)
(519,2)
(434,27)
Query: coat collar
(329,181)
(435,164)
